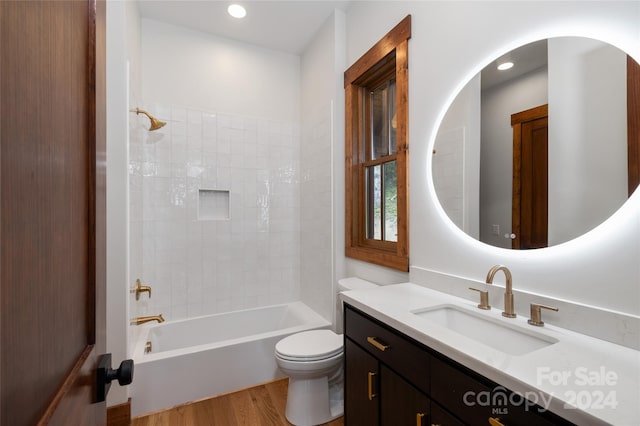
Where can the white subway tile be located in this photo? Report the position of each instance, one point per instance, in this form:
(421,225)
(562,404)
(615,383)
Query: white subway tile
(253,258)
(194,116)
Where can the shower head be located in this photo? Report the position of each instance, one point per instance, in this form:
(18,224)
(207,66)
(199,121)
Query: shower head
(155,123)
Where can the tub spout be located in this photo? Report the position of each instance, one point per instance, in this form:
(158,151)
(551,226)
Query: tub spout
(142,320)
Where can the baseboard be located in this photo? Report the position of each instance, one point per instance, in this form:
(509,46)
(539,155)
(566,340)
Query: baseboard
(119,415)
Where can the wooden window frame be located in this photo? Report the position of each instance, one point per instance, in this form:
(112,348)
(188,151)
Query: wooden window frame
(387,57)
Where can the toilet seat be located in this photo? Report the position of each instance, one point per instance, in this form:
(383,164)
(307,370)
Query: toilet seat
(313,345)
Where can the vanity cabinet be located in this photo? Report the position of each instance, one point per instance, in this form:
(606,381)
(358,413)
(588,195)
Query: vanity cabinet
(377,395)
(391,379)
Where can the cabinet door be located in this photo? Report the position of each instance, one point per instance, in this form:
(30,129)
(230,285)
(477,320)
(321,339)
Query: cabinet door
(440,417)
(400,403)
(361,387)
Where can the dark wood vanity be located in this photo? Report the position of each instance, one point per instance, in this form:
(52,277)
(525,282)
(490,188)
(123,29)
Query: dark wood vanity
(391,379)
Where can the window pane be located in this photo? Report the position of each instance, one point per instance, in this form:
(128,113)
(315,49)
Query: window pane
(392,117)
(379,120)
(390,186)
(374,202)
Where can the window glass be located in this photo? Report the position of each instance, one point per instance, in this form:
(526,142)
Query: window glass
(382,202)
(390,201)
(392,117)
(374,202)
(379,122)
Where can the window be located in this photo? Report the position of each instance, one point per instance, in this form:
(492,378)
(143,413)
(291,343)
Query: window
(377,205)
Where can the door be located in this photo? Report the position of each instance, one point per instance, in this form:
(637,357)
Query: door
(529,221)
(52,217)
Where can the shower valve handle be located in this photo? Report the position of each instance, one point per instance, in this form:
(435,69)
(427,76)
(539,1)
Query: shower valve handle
(139,288)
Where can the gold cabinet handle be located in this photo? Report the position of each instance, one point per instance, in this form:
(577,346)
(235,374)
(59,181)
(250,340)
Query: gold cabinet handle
(419,417)
(383,347)
(495,421)
(371,395)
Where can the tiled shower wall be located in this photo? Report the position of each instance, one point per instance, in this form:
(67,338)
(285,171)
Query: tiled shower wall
(197,265)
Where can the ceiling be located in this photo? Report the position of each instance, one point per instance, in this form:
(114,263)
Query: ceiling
(286,26)
(526,58)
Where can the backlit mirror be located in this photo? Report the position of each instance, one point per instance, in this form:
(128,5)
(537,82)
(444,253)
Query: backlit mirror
(540,153)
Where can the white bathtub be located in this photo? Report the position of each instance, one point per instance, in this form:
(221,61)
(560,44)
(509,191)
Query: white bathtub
(210,355)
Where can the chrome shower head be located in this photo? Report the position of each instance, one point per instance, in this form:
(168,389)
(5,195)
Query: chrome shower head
(155,123)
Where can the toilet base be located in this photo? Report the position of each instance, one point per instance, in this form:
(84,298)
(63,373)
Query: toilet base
(314,401)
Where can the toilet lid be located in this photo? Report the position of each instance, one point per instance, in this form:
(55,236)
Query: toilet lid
(310,345)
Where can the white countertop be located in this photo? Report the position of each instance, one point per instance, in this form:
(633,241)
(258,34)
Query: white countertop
(581,378)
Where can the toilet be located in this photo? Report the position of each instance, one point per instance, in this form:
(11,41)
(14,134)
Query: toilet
(313,362)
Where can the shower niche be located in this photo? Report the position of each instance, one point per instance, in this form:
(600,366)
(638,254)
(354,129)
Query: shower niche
(213,204)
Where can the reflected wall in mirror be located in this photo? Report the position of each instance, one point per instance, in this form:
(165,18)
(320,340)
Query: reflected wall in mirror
(541,153)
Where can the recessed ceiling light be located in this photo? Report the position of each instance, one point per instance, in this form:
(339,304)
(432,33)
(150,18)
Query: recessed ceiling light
(505,66)
(237,11)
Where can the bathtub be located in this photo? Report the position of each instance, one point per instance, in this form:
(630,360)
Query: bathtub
(210,355)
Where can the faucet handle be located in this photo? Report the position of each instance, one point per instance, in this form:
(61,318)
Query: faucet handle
(139,288)
(536,314)
(484,299)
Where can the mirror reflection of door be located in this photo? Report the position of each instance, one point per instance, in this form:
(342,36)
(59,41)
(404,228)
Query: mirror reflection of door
(529,220)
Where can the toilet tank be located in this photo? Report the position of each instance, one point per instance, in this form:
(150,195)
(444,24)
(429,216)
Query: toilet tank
(345,284)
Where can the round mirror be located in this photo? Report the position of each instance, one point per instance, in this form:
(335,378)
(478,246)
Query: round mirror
(539,152)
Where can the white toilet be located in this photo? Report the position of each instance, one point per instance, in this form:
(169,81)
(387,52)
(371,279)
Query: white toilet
(313,362)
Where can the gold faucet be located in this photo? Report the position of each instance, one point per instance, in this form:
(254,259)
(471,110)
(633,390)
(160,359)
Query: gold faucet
(508,291)
(142,320)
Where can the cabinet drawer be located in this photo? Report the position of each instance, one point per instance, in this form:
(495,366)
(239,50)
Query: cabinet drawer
(389,346)
(475,400)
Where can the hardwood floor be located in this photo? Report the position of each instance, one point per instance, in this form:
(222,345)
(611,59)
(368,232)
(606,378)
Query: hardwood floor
(260,405)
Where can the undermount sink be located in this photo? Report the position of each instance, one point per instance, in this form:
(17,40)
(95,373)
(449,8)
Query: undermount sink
(493,332)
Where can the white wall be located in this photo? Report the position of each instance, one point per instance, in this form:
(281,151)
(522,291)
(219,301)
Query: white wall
(587,135)
(451,42)
(184,67)
(135,139)
(322,65)
(122,51)
(496,158)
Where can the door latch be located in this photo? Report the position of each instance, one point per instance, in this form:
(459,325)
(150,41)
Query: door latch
(124,375)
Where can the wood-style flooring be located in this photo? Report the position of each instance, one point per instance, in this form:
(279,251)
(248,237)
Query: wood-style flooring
(262,405)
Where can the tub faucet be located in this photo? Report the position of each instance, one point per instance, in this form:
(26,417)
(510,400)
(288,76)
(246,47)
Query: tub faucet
(508,291)
(142,320)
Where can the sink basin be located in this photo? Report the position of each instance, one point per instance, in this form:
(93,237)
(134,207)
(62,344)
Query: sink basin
(493,332)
